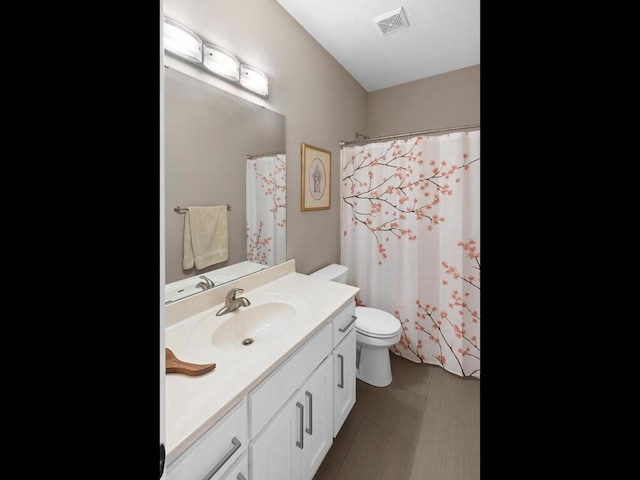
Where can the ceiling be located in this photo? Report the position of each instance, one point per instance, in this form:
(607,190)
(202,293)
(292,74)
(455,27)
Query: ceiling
(442,36)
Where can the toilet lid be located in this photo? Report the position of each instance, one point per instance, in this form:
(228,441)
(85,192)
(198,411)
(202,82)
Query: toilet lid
(376,323)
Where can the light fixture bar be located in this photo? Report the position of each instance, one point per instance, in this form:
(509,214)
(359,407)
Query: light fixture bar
(221,62)
(253,79)
(181,41)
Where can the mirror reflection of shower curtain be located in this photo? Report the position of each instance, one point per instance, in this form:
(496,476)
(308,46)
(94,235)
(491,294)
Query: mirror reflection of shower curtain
(266,209)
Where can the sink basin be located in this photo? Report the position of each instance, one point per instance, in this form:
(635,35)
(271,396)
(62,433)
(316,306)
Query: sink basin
(268,323)
(249,326)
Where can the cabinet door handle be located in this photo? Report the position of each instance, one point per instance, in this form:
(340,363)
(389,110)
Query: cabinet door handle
(310,429)
(341,384)
(300,443)
(162,459)
(241,477)
(223,460)
(346,327)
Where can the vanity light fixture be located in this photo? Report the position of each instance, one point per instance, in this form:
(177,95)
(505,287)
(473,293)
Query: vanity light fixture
(181,41)
(253,79)
(221,62)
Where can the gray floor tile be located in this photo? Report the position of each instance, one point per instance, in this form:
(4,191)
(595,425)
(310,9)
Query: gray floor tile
(447,449)
(328,470)
(424,426)
(408,375)
(458,397)
(345,438)
(377,454)
(400,412)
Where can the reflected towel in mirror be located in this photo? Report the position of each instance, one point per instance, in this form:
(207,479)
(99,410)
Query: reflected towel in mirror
(206,237)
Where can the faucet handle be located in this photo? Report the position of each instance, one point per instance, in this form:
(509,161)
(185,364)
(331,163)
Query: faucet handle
(231,294)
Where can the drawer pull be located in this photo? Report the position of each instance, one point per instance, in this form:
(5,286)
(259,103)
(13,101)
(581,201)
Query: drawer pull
(223,460)
(341,384)
(241,477)
(300,444)
(346,327)
(310,429)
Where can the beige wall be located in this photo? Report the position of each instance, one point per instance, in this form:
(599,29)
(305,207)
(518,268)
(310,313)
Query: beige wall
(446,100)
(322,103)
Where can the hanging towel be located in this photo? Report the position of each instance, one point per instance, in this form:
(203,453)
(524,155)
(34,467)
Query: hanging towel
(206,237)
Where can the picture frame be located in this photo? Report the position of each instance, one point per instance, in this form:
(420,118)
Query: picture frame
(316,178)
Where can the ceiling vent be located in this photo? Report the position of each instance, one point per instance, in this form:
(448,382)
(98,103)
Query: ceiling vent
(392,21)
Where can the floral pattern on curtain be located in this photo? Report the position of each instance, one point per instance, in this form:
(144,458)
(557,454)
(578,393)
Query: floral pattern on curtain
(410,222)
(266,209)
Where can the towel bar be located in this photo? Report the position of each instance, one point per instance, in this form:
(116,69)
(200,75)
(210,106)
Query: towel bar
(183,210)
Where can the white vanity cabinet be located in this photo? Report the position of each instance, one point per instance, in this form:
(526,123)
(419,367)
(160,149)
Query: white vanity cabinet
(317,396)
(344,364)
(212,455)
(295,442)
(239,470)
(290,438)
(279,395)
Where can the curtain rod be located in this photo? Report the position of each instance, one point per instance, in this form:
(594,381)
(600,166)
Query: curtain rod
(258,155)
(400,135)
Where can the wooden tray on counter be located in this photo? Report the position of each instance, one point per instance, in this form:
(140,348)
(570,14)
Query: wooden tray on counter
(175,365)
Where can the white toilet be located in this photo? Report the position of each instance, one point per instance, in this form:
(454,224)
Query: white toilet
(376,331)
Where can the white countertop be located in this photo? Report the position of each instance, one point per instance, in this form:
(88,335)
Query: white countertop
(194,404)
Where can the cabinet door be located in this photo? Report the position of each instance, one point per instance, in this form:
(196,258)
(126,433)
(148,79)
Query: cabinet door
(317,395)
(267,398)
(294,443)
(275,452)
(344,380)
(239,470)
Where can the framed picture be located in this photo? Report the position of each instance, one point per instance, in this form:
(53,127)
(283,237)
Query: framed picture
(316,178)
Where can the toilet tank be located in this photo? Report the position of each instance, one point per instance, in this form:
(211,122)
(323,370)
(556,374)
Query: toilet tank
(333,272)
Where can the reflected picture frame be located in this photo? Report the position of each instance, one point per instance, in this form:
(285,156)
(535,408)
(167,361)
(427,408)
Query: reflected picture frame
(316,178)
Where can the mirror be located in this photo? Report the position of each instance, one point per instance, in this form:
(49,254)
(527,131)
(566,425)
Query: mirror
(221,149)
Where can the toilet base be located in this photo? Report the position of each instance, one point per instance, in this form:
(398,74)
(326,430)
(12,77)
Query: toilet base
(374,365)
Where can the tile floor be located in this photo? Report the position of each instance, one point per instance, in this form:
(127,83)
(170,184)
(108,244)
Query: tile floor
(424,426)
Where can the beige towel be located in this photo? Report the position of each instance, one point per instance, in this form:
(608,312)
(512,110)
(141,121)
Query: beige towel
(206,237)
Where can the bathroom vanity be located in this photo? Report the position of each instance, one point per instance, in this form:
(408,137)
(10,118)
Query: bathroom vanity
(271,407)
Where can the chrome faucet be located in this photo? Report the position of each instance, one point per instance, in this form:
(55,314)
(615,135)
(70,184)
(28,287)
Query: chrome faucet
(231,303)
(207,284)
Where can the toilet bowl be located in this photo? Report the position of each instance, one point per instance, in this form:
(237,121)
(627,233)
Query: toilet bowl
(376,331)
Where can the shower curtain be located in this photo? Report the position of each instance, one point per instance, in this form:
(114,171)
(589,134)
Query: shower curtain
(266,209)
(410,223)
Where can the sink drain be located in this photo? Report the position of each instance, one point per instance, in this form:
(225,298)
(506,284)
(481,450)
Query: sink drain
(247,341)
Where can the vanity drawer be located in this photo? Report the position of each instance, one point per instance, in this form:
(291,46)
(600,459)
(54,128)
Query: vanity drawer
(344,321)
(212,454)
(268,397)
